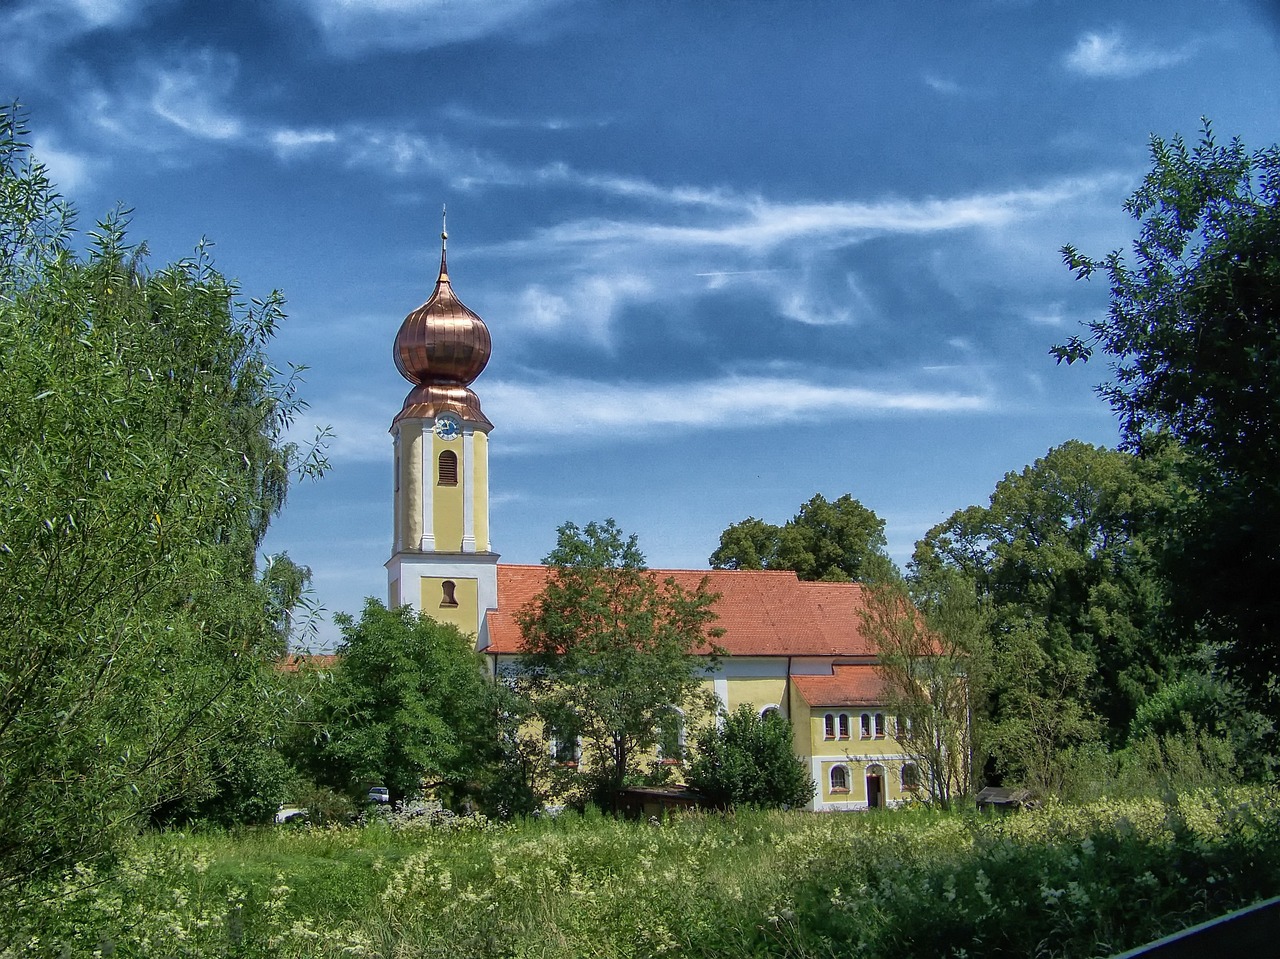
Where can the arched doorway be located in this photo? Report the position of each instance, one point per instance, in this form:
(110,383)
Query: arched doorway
(875,787)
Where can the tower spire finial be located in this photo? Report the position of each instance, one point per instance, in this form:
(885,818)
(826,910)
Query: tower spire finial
(444,240)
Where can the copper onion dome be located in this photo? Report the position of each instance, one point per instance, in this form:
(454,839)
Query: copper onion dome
(441,348)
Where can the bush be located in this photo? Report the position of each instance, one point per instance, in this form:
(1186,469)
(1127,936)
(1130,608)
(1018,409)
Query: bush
(749,760)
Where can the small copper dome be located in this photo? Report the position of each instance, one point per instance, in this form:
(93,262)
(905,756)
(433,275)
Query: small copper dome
(442,342)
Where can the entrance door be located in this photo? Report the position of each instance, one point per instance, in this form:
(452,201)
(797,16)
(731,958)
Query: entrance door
(875,791)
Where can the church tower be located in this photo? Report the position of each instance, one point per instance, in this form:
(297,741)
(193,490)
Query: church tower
(441,561)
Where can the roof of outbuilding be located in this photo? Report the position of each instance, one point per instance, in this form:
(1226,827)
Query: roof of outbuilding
(297,662)
(762,612)
(852,685)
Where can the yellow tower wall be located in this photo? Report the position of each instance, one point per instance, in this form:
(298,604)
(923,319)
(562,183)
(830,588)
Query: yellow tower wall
(409,516)
(465,615)
(447,501)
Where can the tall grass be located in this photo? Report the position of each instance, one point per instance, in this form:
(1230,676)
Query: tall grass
(1063,881)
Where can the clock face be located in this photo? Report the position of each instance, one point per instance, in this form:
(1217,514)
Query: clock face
(448,426)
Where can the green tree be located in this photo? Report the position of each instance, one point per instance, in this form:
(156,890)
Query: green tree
(750,544)
(288,587)
(407,705)
(609,650)
(933,658)
(1193,332)
(750,760)
(142,456)
(1065,556)
(833,541)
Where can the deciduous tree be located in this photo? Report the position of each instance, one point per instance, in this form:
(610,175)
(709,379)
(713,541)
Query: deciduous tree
(933,649)
(408,705)
(1193,333)
(610,649)
(834,541)
(142,456)
(750,760)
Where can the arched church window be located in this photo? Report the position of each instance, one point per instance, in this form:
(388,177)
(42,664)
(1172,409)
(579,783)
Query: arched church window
(839,779)
(448,468)
(447,598)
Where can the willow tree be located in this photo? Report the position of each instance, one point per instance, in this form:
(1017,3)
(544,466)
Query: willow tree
(142,457)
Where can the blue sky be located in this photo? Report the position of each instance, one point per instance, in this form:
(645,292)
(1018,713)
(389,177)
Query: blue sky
(731,253)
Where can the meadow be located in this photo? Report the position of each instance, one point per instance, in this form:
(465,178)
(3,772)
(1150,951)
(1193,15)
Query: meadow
(1081,880)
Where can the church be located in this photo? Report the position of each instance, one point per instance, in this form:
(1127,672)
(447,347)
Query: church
(794,647)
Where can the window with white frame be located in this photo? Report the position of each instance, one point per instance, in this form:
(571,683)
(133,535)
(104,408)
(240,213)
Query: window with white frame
(829,726)
(839,779)
(879,725)
(866,725)
(844,725)
(565,746)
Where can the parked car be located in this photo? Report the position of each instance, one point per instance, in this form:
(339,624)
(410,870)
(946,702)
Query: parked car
(379,794)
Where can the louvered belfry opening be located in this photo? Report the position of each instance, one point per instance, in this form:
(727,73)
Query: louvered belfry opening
(448,468)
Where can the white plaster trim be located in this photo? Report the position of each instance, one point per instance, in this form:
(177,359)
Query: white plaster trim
(428,483)
(468,491)
(721,687)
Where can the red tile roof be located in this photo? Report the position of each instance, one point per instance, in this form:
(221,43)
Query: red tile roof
(762,613)
(846,686)
(296,662)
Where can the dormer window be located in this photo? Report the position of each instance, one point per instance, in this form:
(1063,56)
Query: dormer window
(448,468)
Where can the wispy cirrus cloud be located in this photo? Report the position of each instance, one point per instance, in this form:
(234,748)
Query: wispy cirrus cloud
(591,411)
(760,225)
(35,29)
(72,171)
(351,28)
(1110,55)
(942,85)
(586,408)
(161,106)
(468,117)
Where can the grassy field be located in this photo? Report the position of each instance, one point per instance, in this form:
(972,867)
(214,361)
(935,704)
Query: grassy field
(1063,881)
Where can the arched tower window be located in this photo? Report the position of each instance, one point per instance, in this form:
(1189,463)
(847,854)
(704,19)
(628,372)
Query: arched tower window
(446,589)
(448,468)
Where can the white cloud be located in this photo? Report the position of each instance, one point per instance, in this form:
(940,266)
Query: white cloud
(71,171)
(353,26)
(941,85)
(586,305)
(189,95)
(464,115)
(1108,55)
(585,409)
(288,142)
(593,411)
(35,28)
(761,225)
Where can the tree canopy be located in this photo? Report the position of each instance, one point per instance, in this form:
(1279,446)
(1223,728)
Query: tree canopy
(408,705)
(1193,333)
(834,541)
(611,651)
(142,457)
